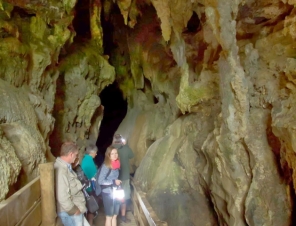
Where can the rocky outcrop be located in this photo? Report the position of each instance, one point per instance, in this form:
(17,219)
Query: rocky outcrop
(214,129)
(210,90)
(22,145)
(50,81)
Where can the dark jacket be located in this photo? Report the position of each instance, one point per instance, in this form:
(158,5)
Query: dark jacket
(125,154)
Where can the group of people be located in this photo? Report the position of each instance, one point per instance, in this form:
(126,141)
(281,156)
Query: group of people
(114,172)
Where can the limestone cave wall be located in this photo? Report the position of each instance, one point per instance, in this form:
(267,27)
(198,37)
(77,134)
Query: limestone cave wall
(210,109)
(210,88)
(50,79)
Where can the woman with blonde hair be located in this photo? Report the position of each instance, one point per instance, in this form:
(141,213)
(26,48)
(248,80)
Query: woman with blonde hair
(108,179)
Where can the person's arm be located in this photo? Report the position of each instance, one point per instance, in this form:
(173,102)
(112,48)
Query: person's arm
(63,194)
(130,153)
(103,174)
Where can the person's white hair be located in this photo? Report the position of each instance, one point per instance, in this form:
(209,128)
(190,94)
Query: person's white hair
(91,148)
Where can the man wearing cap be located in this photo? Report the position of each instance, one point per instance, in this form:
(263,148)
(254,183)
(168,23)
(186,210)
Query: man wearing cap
(125,154)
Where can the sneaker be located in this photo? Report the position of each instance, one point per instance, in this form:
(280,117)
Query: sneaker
(125,220)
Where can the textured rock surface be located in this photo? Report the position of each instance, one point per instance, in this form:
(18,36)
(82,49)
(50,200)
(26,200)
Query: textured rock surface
(49,84)
(230,73)
(211,93)
(22,146)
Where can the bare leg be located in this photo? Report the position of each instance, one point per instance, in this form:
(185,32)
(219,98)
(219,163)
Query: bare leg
(123,213)
(123,209)
(90,218)
(108,221)
(114,220)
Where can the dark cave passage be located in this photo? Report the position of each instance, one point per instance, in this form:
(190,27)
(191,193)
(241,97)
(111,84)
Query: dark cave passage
(115,108)
(81,22)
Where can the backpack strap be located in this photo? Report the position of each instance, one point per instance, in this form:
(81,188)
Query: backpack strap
(108,173)
(99,171)
(98,174)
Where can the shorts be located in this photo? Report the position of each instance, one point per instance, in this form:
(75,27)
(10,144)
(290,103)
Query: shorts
(111,206)
(127,189)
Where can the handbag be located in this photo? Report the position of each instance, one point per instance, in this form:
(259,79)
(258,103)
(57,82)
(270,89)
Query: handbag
(91,203)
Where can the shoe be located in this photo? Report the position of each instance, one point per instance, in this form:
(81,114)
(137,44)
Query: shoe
(125,220)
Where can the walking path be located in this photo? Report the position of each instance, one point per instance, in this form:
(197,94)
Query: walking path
(100,219)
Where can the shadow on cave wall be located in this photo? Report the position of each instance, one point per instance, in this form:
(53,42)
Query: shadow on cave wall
(55,140)
(282,167)
(115,108)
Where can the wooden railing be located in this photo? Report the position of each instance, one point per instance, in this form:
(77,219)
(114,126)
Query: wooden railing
(143,212)
(23,207)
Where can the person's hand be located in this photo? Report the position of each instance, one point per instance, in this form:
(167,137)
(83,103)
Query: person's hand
(117,182)
(77,212)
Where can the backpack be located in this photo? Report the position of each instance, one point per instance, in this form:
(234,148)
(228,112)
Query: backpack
(98,186)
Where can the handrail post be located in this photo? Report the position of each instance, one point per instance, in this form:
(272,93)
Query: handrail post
(48,207)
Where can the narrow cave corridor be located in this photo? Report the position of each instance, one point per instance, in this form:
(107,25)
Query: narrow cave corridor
(203,89)
(115,108)
(114,104)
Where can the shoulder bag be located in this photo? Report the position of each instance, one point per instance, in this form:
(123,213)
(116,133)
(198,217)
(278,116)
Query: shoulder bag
(91,203)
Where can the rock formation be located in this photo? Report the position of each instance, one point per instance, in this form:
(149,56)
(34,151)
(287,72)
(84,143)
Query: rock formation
(49,86)
(210,88)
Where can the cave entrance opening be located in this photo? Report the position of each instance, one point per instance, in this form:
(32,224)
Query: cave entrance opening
(115,108)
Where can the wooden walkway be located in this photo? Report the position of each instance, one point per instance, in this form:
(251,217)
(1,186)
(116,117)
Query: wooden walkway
(100,219)
(25,207)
